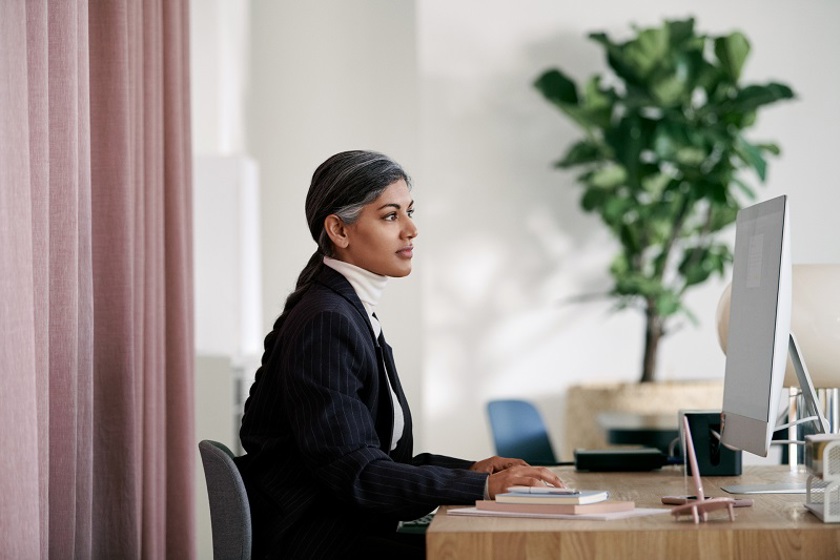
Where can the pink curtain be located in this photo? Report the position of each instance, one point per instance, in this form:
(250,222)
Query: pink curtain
(96,382)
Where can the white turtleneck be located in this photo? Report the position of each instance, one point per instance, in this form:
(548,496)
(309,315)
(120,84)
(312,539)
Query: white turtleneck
(369,287)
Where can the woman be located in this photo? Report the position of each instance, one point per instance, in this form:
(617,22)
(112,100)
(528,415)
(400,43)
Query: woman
(329,467)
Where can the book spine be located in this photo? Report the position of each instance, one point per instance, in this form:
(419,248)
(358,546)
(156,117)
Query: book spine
(566,509)
(548,499)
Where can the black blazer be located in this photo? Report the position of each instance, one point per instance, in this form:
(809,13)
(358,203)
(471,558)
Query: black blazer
(317,431)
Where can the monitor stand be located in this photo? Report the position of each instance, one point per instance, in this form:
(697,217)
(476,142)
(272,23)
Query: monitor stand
(812,412)
(812,404)
(795,487)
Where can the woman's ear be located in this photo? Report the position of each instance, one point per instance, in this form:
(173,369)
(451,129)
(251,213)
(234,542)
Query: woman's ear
(337,230)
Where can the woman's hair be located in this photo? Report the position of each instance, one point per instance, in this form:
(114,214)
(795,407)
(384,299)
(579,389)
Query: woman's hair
(342,185)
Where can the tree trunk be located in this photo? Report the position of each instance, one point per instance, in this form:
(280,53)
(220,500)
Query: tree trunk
(653,333)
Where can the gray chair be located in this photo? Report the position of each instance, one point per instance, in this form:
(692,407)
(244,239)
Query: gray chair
(230,515)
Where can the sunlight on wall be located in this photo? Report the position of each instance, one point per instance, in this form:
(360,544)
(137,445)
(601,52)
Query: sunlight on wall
(498,325)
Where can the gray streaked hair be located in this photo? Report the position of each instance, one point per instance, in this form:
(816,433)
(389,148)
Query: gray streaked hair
(343,185)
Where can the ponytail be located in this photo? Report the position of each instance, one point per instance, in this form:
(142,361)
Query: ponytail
(307,275)
(309,272)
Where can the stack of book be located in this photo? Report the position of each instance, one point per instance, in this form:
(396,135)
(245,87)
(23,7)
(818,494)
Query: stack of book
(537,500)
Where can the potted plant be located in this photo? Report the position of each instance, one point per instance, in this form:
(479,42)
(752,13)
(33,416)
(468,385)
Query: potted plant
(664,161)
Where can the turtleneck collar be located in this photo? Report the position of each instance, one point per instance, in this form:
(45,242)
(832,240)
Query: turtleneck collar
(368,285)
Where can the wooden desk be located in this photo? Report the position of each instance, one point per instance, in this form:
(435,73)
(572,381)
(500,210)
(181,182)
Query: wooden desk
(776,526)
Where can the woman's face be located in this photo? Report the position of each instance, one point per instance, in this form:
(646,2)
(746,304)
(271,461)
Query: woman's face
(381,239)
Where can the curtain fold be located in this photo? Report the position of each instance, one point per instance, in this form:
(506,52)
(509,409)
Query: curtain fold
(96,280)
(22,480)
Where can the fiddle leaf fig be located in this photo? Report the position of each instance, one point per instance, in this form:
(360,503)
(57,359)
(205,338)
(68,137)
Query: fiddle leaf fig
(663,158)
(584,151)
(557,88)
(732,52)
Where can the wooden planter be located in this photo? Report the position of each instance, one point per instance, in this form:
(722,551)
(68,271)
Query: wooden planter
(584,404)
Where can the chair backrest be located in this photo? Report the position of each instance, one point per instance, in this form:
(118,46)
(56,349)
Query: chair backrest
(230,515)
(518,431)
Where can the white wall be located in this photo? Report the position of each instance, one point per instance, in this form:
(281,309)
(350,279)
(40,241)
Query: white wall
(219,46)
(509,240)
(444,88)
(227,241)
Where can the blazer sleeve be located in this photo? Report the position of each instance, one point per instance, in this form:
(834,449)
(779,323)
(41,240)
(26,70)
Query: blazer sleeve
(441,461)
(331,391)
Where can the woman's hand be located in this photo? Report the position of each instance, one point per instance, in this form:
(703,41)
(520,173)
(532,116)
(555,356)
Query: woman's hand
(495,464)
(521,475)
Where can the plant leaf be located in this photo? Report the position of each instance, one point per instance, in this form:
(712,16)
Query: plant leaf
(681,32)
(582,152)
(647,51)
(668,90)
(770,148)
(597,103)
(752,156)
(752,97)
(699,263)
(560,90)
(668,303)
(655,183)
(616,58)
(745,188)
(608,177)
(557,87)
(690,156)
(732,52)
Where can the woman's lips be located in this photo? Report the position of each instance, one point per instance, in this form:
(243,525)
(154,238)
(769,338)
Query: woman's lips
(406,252)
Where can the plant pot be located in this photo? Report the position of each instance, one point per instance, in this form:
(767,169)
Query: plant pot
(586,402)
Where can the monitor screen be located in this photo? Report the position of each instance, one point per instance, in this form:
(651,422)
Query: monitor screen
(759,326)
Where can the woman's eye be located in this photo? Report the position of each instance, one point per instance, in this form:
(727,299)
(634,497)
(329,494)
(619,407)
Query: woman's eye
(391,217)
(410,212)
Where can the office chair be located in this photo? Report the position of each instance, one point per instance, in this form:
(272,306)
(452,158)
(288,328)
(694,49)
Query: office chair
(518,431)
(230,515)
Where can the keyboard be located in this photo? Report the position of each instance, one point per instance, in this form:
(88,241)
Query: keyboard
(417,525)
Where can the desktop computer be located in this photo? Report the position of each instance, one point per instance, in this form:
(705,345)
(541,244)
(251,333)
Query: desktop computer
(759,339)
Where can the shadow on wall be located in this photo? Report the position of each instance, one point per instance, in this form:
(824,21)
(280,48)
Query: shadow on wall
(507,243)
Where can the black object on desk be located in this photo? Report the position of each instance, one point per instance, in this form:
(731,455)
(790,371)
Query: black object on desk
(713,459)
(619,460)
(647,430)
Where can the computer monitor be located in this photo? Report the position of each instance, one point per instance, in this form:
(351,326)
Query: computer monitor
(759,338)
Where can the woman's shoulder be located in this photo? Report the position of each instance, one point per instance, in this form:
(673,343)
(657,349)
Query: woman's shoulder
(325,316)
(320,299)
(324,303)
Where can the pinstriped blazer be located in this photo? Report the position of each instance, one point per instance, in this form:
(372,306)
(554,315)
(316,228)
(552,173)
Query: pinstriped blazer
(317,431)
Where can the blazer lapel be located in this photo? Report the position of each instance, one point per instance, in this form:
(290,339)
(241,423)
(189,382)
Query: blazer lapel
(387,372)
(404,449)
